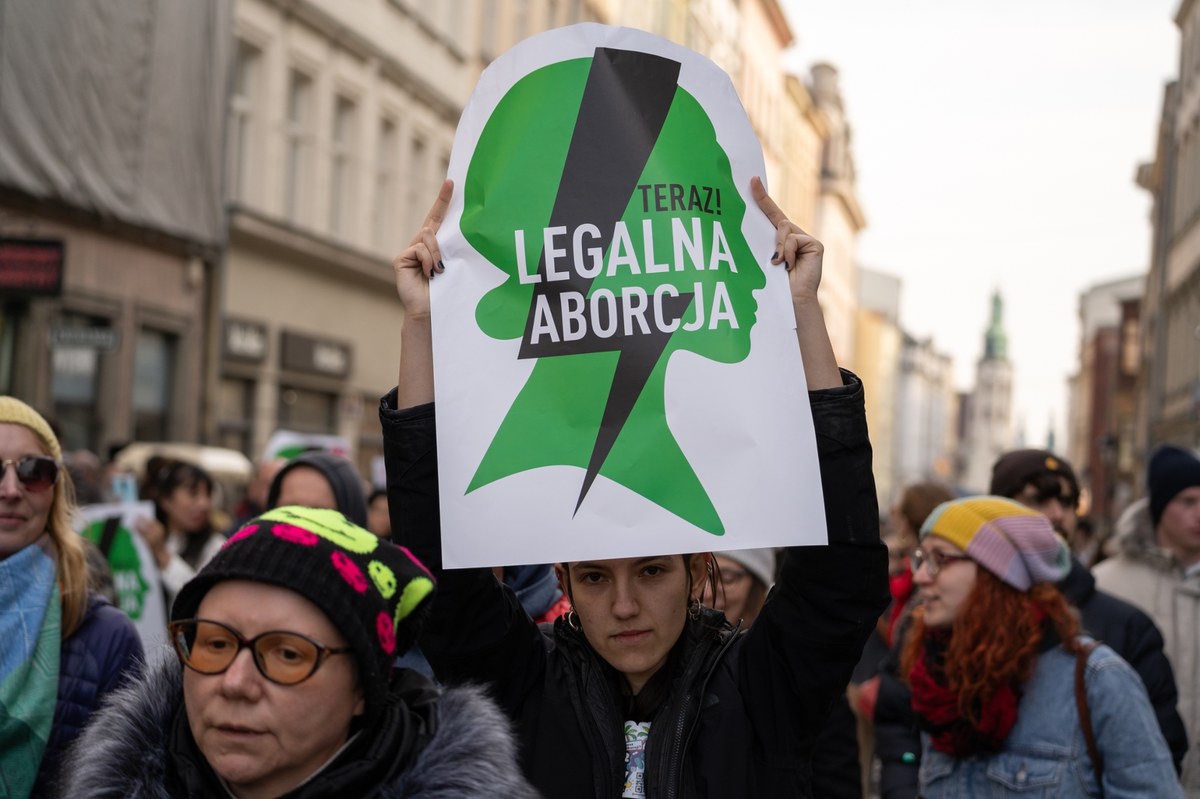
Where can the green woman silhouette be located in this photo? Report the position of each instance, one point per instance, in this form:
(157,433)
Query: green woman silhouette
(608,176)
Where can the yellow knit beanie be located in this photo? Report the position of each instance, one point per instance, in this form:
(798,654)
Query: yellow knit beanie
(13,411)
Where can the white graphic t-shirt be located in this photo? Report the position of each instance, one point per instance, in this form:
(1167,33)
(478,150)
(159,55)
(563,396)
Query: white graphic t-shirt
(636,734)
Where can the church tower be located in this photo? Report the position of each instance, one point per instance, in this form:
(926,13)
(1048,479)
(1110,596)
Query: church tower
(989,412)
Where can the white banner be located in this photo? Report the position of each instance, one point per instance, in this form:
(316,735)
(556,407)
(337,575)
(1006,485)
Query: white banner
(616,364)
(134,571)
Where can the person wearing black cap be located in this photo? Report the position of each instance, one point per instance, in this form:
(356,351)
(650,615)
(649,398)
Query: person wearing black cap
(320,479)
(1157,568)
(314,708)
(1041,480)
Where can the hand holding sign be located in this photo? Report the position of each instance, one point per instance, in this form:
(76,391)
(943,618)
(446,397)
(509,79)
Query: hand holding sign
(803,256)
(422,255)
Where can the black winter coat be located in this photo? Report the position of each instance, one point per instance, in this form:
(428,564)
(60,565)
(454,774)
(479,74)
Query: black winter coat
(745,707)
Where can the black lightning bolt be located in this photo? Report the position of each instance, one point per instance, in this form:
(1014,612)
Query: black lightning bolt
(625,103)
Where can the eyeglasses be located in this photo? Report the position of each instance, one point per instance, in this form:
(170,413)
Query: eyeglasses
(935,559)
(36,472)
(284,658)
(732,576)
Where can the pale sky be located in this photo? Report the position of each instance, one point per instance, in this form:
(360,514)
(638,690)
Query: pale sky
(996,146)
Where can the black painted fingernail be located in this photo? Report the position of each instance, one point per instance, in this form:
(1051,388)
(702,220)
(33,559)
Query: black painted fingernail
(441,267)
(775,255)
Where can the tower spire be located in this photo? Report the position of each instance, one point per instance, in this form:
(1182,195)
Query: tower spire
(995,340)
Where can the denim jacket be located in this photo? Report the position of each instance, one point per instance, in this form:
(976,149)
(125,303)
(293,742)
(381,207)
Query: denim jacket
(1045,754)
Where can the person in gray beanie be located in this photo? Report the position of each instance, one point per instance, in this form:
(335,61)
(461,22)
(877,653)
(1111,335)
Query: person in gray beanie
(321,479)
(746,575)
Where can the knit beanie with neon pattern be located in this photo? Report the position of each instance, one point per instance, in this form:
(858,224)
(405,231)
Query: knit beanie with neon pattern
(376,593)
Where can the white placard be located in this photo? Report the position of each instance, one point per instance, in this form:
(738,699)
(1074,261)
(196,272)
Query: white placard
(134,571)
(616,365)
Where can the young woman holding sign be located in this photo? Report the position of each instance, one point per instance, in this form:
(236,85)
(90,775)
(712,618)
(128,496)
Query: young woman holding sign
(639,667)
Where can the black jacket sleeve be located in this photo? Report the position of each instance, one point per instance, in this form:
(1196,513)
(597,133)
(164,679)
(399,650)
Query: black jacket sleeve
(477,630)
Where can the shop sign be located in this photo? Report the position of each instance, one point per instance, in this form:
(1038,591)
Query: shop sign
(31,266)
(321,356)
(246,341)
(89,338)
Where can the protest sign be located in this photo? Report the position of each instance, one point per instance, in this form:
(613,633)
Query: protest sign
(135,574)
(616,365)
(288,444)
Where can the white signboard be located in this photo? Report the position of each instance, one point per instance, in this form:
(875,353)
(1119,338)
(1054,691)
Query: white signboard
(616,364)
(135,573)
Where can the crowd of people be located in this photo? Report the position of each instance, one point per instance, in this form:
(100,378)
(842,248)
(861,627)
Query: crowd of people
(958,647)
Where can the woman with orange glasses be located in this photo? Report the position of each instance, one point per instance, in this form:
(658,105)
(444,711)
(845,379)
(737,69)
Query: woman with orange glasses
(284,683)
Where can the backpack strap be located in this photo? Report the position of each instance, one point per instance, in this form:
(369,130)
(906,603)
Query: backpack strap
(1085,715)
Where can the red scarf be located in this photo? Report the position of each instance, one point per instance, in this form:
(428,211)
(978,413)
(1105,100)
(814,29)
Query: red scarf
(901,588)
(937,705)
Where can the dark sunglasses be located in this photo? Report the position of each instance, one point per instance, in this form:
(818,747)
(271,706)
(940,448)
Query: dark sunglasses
(285,658)
(36,472)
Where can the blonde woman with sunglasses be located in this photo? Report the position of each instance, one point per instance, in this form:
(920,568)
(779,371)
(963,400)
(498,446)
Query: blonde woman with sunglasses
(63,649)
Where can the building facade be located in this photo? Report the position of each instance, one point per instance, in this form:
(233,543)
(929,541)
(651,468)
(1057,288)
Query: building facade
(111,220)
(878,339)
(1100,429)
(1170,393)
(320,133)
(926,416)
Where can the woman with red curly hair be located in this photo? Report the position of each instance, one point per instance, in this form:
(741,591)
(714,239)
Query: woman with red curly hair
(992,659)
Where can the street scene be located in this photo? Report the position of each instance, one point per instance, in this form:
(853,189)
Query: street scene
(569,398)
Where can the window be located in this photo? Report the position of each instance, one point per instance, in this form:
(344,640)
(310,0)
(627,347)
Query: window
(75,386)
(488,46)
(299,133)
(341,202)
(416,182)
(153,376)
(384,208)
(520,20)
(241,133)
(8,346)
(235,410)
(307,411)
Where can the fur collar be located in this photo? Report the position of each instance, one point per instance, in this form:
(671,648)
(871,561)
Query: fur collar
(122,752)
(1136,538)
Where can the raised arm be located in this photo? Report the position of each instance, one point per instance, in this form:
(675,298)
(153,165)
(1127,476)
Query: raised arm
(414,268)
(802,255)
(477,630)
(802,649)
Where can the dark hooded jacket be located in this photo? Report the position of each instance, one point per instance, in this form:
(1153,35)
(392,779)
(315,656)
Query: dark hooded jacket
(99,656)
(743,709)
(342,477)
(456,745)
